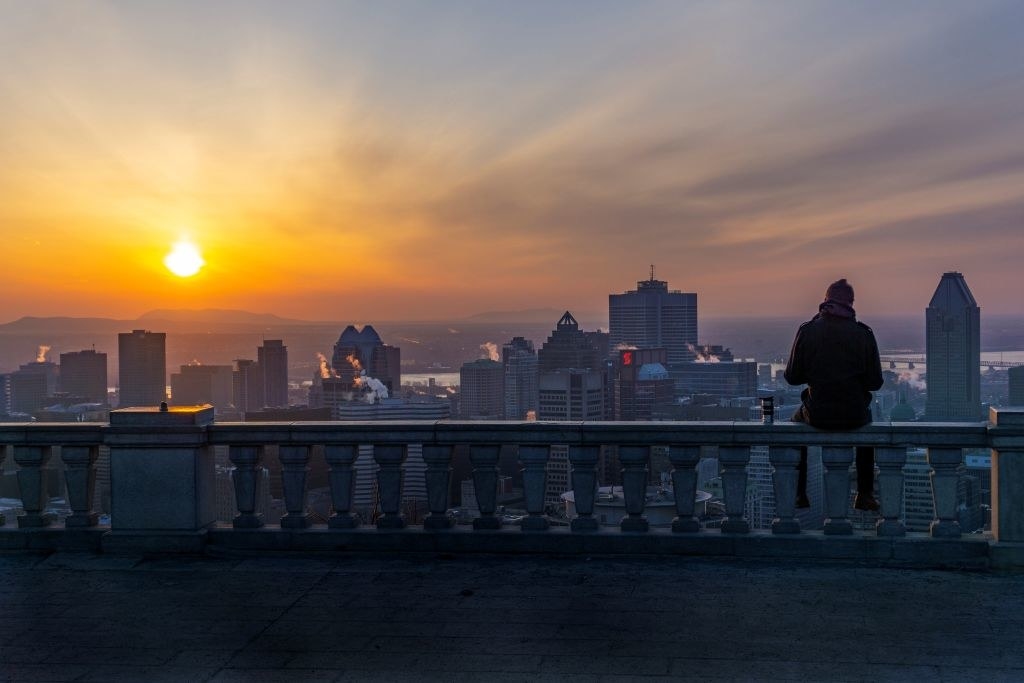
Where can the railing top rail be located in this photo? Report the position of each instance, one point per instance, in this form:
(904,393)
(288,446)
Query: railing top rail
(927,434)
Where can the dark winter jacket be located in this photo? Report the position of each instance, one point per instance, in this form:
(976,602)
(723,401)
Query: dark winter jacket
(837,358)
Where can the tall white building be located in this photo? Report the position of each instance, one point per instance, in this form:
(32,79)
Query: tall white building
(414,488)
(567,395)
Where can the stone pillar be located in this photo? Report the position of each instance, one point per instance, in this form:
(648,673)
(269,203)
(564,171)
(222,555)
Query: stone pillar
(162,479)
(733,462)
(890,463)
(294,466)
(80,479)
(342,480)
(684,461)
(584,485)
(390,458)
(484,459)
(1006,432)
(784,462)
(945,464)
(246,477)
(836,461)
(635,473)
(438,459)
(535,477)
(32,482)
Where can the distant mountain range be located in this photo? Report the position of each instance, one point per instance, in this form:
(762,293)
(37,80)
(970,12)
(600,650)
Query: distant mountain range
(159,320)
(231,320)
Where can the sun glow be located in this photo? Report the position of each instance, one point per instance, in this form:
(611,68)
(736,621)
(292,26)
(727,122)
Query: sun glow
(184,259)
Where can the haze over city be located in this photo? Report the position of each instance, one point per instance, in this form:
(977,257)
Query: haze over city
(415,161)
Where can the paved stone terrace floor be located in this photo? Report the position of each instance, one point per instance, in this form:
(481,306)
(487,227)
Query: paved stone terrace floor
(67,617)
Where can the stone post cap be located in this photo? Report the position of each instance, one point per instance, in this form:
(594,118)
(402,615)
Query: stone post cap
(156,416)
(1012,416)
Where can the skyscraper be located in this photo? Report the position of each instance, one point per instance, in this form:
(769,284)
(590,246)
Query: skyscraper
(953,352)
(571,381)
(197,384)
(362,350)
(83,374)
(142,368)
(273,361)
(652,317)
(482,389)
(520,365)
(569,347)
(1016,385)
(247,386)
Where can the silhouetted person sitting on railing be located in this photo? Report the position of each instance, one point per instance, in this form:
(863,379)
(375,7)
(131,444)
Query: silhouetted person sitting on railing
(837,358)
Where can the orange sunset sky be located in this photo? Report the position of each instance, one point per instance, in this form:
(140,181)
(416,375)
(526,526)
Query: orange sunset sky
(415,160)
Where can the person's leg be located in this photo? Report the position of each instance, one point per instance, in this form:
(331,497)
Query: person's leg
(866,479)
(801,480)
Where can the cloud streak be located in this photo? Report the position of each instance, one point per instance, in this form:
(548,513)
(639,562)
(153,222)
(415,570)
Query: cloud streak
(466,158)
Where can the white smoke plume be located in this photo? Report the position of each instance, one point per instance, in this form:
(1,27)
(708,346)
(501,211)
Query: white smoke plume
(913,379)
(622,346)
(372,389)
(490,350)
(703,356)
(41,355)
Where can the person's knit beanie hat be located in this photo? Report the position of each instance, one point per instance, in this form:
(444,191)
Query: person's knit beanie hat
(840,291)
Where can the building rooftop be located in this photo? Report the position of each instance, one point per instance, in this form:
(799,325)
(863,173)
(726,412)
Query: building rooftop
(403,618)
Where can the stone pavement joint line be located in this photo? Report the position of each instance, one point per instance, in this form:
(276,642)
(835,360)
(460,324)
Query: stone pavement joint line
(68,617)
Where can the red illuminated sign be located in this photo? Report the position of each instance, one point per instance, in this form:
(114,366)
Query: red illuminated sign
(627,357)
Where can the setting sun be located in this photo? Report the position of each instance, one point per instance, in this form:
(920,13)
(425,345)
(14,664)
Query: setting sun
(184,259)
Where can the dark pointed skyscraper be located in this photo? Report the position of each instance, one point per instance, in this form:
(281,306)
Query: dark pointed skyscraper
(953,348)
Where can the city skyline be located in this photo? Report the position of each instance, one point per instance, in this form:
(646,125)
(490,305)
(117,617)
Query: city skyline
(411,161)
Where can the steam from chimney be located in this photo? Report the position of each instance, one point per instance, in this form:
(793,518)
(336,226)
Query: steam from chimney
(373,389)
(41,356)
(490,350)
(703,355)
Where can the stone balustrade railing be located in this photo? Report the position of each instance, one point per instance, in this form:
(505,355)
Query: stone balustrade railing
(162,472)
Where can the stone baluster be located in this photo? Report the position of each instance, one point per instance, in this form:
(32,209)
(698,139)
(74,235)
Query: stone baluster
(733,466)
(836,461)
(635,472)
(784,462)
(584,485)
(342,480)
(294,466)
(390,459)
(247,476)
(684,461)
(484,459)
(890,463)
(535,478)
(1006,427)
(438,459)
(32,482)
(945,463)
(80,479)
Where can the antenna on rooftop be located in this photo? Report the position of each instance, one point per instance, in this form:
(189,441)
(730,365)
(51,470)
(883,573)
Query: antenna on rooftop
(652,272)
